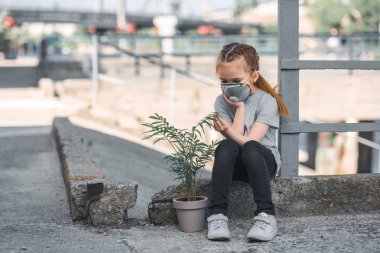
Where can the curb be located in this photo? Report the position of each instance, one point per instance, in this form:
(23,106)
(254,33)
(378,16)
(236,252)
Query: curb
(90,195)
(292,197)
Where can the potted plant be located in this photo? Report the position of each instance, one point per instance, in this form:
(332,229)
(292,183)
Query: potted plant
(186,163)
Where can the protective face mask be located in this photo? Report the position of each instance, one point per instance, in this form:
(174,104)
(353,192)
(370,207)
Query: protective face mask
(236,91)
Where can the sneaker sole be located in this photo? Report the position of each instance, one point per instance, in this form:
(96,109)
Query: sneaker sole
(260,239)
(219,239)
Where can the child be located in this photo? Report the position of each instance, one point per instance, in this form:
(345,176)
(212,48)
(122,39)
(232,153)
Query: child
(248,116)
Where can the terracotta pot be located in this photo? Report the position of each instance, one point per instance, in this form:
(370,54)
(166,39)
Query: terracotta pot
(191,214)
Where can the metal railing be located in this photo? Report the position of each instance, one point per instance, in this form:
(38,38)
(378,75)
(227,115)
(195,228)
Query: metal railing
(350,46)
(289,66)
(360,140)
(152,59)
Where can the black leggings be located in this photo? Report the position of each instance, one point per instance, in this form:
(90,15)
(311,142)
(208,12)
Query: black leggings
(251,163)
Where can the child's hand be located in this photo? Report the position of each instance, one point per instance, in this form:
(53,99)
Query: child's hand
(220,124)
(234,104)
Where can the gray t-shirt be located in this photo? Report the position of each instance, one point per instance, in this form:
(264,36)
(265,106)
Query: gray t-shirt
(260,107)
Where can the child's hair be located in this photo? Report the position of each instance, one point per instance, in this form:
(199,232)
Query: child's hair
(235,50)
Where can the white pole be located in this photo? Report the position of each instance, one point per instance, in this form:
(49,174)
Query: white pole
(95,81)
(121,20)
(99,6)
(172,91)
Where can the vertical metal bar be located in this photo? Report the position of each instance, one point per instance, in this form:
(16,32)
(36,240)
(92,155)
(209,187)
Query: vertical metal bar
(172,92)
(188,63)
(162,69)
(137,66)
(288,40)
(99,6)
(121,20)
(95,70)
(350,51)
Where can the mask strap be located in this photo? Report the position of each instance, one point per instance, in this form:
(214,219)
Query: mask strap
(246,82)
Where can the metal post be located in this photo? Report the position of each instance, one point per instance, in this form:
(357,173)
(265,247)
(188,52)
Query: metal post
(172,92)
(162,69)
(188,63)
(95,70)
(288,36)
(350,51)
(137,66)
(376,151)
(99,6)
(121,20)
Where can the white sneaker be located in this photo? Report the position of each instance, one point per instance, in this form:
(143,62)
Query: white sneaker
(218,227)
(264,228)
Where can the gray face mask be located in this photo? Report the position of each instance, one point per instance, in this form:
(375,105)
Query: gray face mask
(236,92)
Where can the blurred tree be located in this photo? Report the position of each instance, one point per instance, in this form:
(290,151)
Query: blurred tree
(328,14)
(346,15)
(364,16)
(242,5)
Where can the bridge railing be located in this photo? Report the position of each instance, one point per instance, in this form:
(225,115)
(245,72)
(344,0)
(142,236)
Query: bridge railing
(289,66)
(347,46)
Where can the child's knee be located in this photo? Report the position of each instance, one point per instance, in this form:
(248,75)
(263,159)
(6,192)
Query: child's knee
(227,147)
(251,149)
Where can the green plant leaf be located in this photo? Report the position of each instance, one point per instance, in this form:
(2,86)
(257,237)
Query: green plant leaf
(190,153)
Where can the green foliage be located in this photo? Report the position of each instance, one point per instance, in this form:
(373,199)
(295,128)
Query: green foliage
(242,5)
(346,15)
(364,16)
(328,14)
(190,153)
(272,28)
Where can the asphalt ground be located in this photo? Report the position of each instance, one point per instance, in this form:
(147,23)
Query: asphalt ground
(34,215)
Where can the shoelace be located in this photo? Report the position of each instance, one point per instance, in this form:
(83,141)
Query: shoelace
(218,224)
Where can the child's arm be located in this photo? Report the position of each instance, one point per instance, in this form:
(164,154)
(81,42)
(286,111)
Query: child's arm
(256,133)
(238,122)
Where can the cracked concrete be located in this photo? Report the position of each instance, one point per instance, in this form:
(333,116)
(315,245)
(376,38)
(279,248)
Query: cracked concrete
(35,216)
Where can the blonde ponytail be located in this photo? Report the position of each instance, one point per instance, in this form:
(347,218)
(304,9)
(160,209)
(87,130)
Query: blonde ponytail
(263,84)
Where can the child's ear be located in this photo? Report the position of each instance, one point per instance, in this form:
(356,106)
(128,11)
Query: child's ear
(255,76)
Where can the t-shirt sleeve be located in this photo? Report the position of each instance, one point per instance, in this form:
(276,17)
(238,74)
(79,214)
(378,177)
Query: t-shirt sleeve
(268,113)
(221,108)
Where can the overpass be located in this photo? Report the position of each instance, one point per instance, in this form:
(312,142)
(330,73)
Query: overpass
(108,20)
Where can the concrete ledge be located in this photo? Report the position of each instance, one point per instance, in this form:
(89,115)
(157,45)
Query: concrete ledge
(90,195)
(293,197)
(113,204)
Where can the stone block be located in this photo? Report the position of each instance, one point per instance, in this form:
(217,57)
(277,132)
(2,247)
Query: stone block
(293,197)
(111,208)
(90,196)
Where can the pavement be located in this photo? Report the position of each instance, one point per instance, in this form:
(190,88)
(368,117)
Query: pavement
(35,215)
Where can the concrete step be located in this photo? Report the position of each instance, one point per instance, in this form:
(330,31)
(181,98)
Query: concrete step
(102,201)
(293,197)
